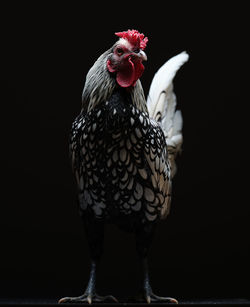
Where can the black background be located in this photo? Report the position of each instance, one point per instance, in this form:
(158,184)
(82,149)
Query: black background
(202,249)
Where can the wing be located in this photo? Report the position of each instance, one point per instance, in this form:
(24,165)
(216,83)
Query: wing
(157,186)
(157,157)
(74,146)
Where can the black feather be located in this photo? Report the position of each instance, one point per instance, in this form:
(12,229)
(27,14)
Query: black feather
(111,146)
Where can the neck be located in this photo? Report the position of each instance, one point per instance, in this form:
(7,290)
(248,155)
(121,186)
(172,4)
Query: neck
(100,85)
(138,98)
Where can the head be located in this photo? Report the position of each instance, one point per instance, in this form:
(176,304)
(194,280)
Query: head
(126,58)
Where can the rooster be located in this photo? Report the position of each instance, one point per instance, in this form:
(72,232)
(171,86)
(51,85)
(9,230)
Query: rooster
(123,152)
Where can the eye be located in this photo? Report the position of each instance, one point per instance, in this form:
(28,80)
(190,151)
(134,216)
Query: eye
(119,51)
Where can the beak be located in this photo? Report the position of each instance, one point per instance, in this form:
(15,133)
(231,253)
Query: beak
(142,55)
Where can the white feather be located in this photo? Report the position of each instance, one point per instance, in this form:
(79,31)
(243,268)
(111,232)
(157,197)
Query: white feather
(162,81)
(161,104)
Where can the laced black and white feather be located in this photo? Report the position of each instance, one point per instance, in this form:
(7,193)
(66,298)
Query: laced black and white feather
(118,147)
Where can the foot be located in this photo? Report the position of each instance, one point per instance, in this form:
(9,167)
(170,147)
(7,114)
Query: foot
(147,293)
(88,298)
(159,299)
(150,297)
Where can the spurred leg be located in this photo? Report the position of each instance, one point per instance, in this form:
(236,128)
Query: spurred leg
(95,233)
(144,238)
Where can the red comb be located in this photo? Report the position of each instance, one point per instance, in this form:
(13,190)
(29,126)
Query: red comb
(134,37)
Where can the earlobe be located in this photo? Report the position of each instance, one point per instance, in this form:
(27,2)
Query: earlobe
(110,66)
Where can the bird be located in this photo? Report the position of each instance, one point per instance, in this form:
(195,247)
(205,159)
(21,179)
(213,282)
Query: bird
(123,149)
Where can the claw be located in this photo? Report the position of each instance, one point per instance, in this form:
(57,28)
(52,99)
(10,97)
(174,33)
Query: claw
(89,299)
(114,299)
(173,300)
(148,299)
(61,301)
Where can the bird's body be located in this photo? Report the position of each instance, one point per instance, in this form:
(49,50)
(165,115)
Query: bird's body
(115,144)
(119,153)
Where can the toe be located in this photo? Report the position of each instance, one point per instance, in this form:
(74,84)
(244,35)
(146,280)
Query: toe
(173,300)
(89,299)
(114,299)
(78,299)
(148,299)
(64,300)
(156,298)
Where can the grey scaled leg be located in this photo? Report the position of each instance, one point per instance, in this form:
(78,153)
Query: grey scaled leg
(95,233)
(144,238)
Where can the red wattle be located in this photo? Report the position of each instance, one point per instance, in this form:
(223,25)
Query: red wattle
(128,73)
(139,69)
(125,77)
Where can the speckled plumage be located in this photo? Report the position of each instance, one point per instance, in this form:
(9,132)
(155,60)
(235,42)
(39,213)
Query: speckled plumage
(123,153)
(120,161)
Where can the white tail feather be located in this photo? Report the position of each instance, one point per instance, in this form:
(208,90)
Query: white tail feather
(161,104)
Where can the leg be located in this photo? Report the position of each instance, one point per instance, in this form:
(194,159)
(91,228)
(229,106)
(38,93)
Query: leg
(144,237)
(94,232)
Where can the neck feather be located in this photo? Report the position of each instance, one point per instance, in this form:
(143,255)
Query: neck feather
(99,86)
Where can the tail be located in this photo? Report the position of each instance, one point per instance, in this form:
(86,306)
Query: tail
(161,104)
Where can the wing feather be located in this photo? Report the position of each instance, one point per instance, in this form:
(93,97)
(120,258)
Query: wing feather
(157,159)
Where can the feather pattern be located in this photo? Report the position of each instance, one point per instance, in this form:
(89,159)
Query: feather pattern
(161,104)
(98,85)
(120,157)
(123,152)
